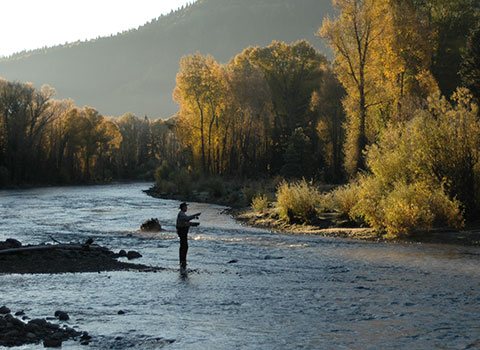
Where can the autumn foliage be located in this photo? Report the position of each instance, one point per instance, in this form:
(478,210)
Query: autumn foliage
(391,114)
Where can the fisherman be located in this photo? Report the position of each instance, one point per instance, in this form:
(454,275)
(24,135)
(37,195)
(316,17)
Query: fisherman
(183,225)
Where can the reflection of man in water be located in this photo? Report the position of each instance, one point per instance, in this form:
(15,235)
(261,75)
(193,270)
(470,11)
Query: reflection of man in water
(183,224)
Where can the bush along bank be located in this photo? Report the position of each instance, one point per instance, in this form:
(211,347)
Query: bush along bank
(302,207)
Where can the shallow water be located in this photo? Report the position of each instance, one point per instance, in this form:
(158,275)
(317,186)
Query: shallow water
(284,291)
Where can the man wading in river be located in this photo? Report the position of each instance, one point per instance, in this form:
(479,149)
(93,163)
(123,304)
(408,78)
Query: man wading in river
(183,225)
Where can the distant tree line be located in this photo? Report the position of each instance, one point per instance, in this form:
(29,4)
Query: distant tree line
(47,141)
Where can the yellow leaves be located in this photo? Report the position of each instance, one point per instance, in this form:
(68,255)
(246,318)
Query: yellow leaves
(297,201)
(423,172)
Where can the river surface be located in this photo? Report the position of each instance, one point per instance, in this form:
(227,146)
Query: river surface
(283,291)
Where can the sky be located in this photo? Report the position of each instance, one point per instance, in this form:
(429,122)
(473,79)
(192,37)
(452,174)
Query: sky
(31,24)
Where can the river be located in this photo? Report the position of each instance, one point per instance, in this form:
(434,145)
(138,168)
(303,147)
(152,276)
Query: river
(246,288)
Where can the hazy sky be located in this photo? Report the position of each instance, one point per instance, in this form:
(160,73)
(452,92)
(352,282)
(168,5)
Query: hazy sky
(30,24)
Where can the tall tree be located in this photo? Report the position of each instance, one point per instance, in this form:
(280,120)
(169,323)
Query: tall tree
(24,115)
(199,93)
(451,20)
(405,59)
(355,35)
(470,69)
(327,104)
(292,72)
(248,118)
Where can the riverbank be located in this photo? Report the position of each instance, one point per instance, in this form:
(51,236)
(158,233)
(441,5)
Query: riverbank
(330,226)
(326,225)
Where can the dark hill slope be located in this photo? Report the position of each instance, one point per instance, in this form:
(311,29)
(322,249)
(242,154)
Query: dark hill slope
(135,70)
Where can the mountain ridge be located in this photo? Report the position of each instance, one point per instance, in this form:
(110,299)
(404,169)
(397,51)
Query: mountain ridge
(134,71)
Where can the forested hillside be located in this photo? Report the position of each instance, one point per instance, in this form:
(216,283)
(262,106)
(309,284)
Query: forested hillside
(135,71)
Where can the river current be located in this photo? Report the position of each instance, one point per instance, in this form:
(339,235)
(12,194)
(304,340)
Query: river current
(246,288)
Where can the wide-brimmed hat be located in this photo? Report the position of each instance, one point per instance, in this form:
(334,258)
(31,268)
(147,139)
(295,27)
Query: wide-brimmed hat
(183,204)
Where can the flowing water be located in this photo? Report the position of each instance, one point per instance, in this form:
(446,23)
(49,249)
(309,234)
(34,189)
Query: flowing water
(246,288)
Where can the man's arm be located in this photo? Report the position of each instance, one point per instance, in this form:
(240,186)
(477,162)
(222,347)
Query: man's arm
(194,216)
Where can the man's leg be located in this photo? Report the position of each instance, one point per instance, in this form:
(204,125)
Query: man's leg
(183,249)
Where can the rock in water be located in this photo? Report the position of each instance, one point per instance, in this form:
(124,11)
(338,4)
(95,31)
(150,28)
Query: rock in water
(13,243)
(14,332)
(133,255)
(4,310)
(52,343)
(62,315)
(152,225)
(10,243)
(122,253)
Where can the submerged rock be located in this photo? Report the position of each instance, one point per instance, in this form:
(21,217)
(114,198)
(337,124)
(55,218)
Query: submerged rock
(270,257)
(133,255)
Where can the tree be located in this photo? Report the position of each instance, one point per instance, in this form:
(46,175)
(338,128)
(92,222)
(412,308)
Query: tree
(355,35)
(292,72)
(57,139)
(24,115)
(298,160)
(422,172)
(134,149)
(248,118)
(405,60)
(326,103)
(199,91)
(451,20)
(470,68)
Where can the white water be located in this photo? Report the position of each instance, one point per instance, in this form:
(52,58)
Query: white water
(285,291)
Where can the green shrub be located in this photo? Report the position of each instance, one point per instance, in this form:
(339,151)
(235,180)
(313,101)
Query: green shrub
(297,201)
(259,203)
